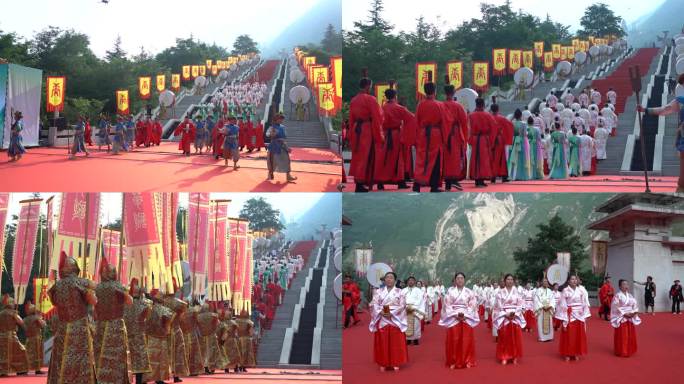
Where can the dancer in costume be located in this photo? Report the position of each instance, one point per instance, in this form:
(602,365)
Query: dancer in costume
(278,152)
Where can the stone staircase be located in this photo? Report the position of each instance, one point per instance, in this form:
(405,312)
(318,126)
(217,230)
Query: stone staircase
(309,133)
(331,345)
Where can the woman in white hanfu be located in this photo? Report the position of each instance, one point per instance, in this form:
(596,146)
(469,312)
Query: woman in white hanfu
(624,315)
(544,307)
(573,311)
(459,315)
(388,324)
(509,321)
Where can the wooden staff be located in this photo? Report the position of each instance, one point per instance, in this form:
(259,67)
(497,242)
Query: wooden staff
(635,79)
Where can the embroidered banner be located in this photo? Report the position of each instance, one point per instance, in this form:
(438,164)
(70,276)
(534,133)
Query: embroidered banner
(25,246)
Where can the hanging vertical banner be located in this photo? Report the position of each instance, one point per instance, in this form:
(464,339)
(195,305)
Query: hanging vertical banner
(380,89)
(556,50)
(41,297)
(55,88)
(161,83)
(218,287)
(363,259)
(563,53)
(481,75)
(528,59)
(50,236)
(209,63)
(455,71)
(422,71)
(4,203)
(186,72)
(110,241)
(310,73)
(248,279)
(326,98)
(141,227)
(169,212)
(214,70)
(319,75)
(571,54)
(144,87)
(77,228)
(202,70)
(336,63)
(175,82)
(198,238)
(499,61)
(548,61)
(308,61)
(538,49)
(25,246)
(575,43)
(194,71)
(238,253)
(122,102)
(514,60)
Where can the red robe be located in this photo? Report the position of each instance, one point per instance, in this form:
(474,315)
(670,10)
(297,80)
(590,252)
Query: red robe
(389,347)
(217,138)
(509,344)
(624,340)
(460,346)
(389,164)
(243,134)
(259,132)
(433,124)
(365,116)
(140,131)
(88,133)
(455,152)
(606,294)
(188,136)
(157,133)
(251,135)
(482,125)
(500,138)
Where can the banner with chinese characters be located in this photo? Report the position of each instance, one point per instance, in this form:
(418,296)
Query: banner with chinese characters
(55,88)
(499,61)
(422,77)
(575,43)
(571,54)
(238,255)
(142,234)
(310,73)
(326,98)
(175,82)
(186,72)
(363,259)
(556,50)
(214,70)
(481,75)
(336,63)
(198,239)
(218,286)
(248,279)
(380,89)
(548,61)
(194,71)
(110,248)
(538,49)
(144,87)
(599,257)
(528,59)
(455,71)
(563,53)
(4,203)
(209,63)
(78,223)
(202,70)
(319,75)
(122,102)
(169,213)
(161,83)
(40,296)
(514,60)
(25,246)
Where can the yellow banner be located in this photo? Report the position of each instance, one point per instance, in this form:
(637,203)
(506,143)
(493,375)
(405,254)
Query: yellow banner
(209,63)
(194,71)
(145,87)
(380,93)
(481,75)
(40,295)
(528,59)
(320,75)
(309,61)
(514,59)
(326,97)
(556,50)
(564,53)
(422,70)
(122,102)
(538,49)
(571,53)
(175,81)
(548,61)
(499,60)
(214,70)
(161,83)
(186,72)
(337,74)
(455,72)
(202,70)
(575,43)
(55,93)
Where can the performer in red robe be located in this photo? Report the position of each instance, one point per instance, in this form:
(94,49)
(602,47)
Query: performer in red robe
(433,124)
(149,133)
(502,136)
(365,134)
(217,139)
(455,152)
(140,133)
(243,134)
(259,133)
(606,294)
(349,291)
(269,302)
(389,164)
(88,132)
(157,132)
(187,130)
(251,135)
(389,325)
(482,125)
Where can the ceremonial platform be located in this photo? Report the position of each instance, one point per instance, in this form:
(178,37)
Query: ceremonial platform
(658,339)
(164,168)
(254,376)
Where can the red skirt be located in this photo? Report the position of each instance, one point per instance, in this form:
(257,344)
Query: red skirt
(573,339)
(530,320)
(625,340)
(509,344)
(480,311)
(389,349)
(556,323)
(460,346)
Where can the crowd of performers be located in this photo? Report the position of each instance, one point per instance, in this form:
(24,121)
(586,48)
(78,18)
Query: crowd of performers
(399,316)
(441,144)
(105,332)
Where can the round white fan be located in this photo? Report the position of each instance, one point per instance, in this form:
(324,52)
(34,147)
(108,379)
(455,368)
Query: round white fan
(200,81)
(466,97)
(580,57)
(223,74)
(609,50)
(337,286)
(679,41)
(557,274)
(298,93)
(563,68)
(594,51)
(679,49)
(296,76)
(166,98)
(337,259)
(376,272)
(523,77)
(680,66)
(679,90)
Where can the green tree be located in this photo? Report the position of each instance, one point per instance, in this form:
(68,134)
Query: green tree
(117,52)
(261,215)
(332,41)
(599,21)
(14,50)
(244,45)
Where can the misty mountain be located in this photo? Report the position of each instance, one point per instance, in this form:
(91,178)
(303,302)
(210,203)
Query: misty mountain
(667,17)
(309,28)
(432,236)
(325,211)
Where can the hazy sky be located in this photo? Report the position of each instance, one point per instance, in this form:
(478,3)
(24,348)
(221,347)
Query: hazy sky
(403,14)
(154,24)
(292,205)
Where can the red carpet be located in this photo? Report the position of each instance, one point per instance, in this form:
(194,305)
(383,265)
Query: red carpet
(255,375)
(265,72)
(619,78)
(659,340)
(593,184)
(163,168)
(303,248)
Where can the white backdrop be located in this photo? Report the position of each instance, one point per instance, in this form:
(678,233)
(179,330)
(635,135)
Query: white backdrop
(23,94)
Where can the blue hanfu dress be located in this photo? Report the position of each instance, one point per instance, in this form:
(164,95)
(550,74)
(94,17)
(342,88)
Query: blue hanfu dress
(278,152)
(16,146)
(559,164)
